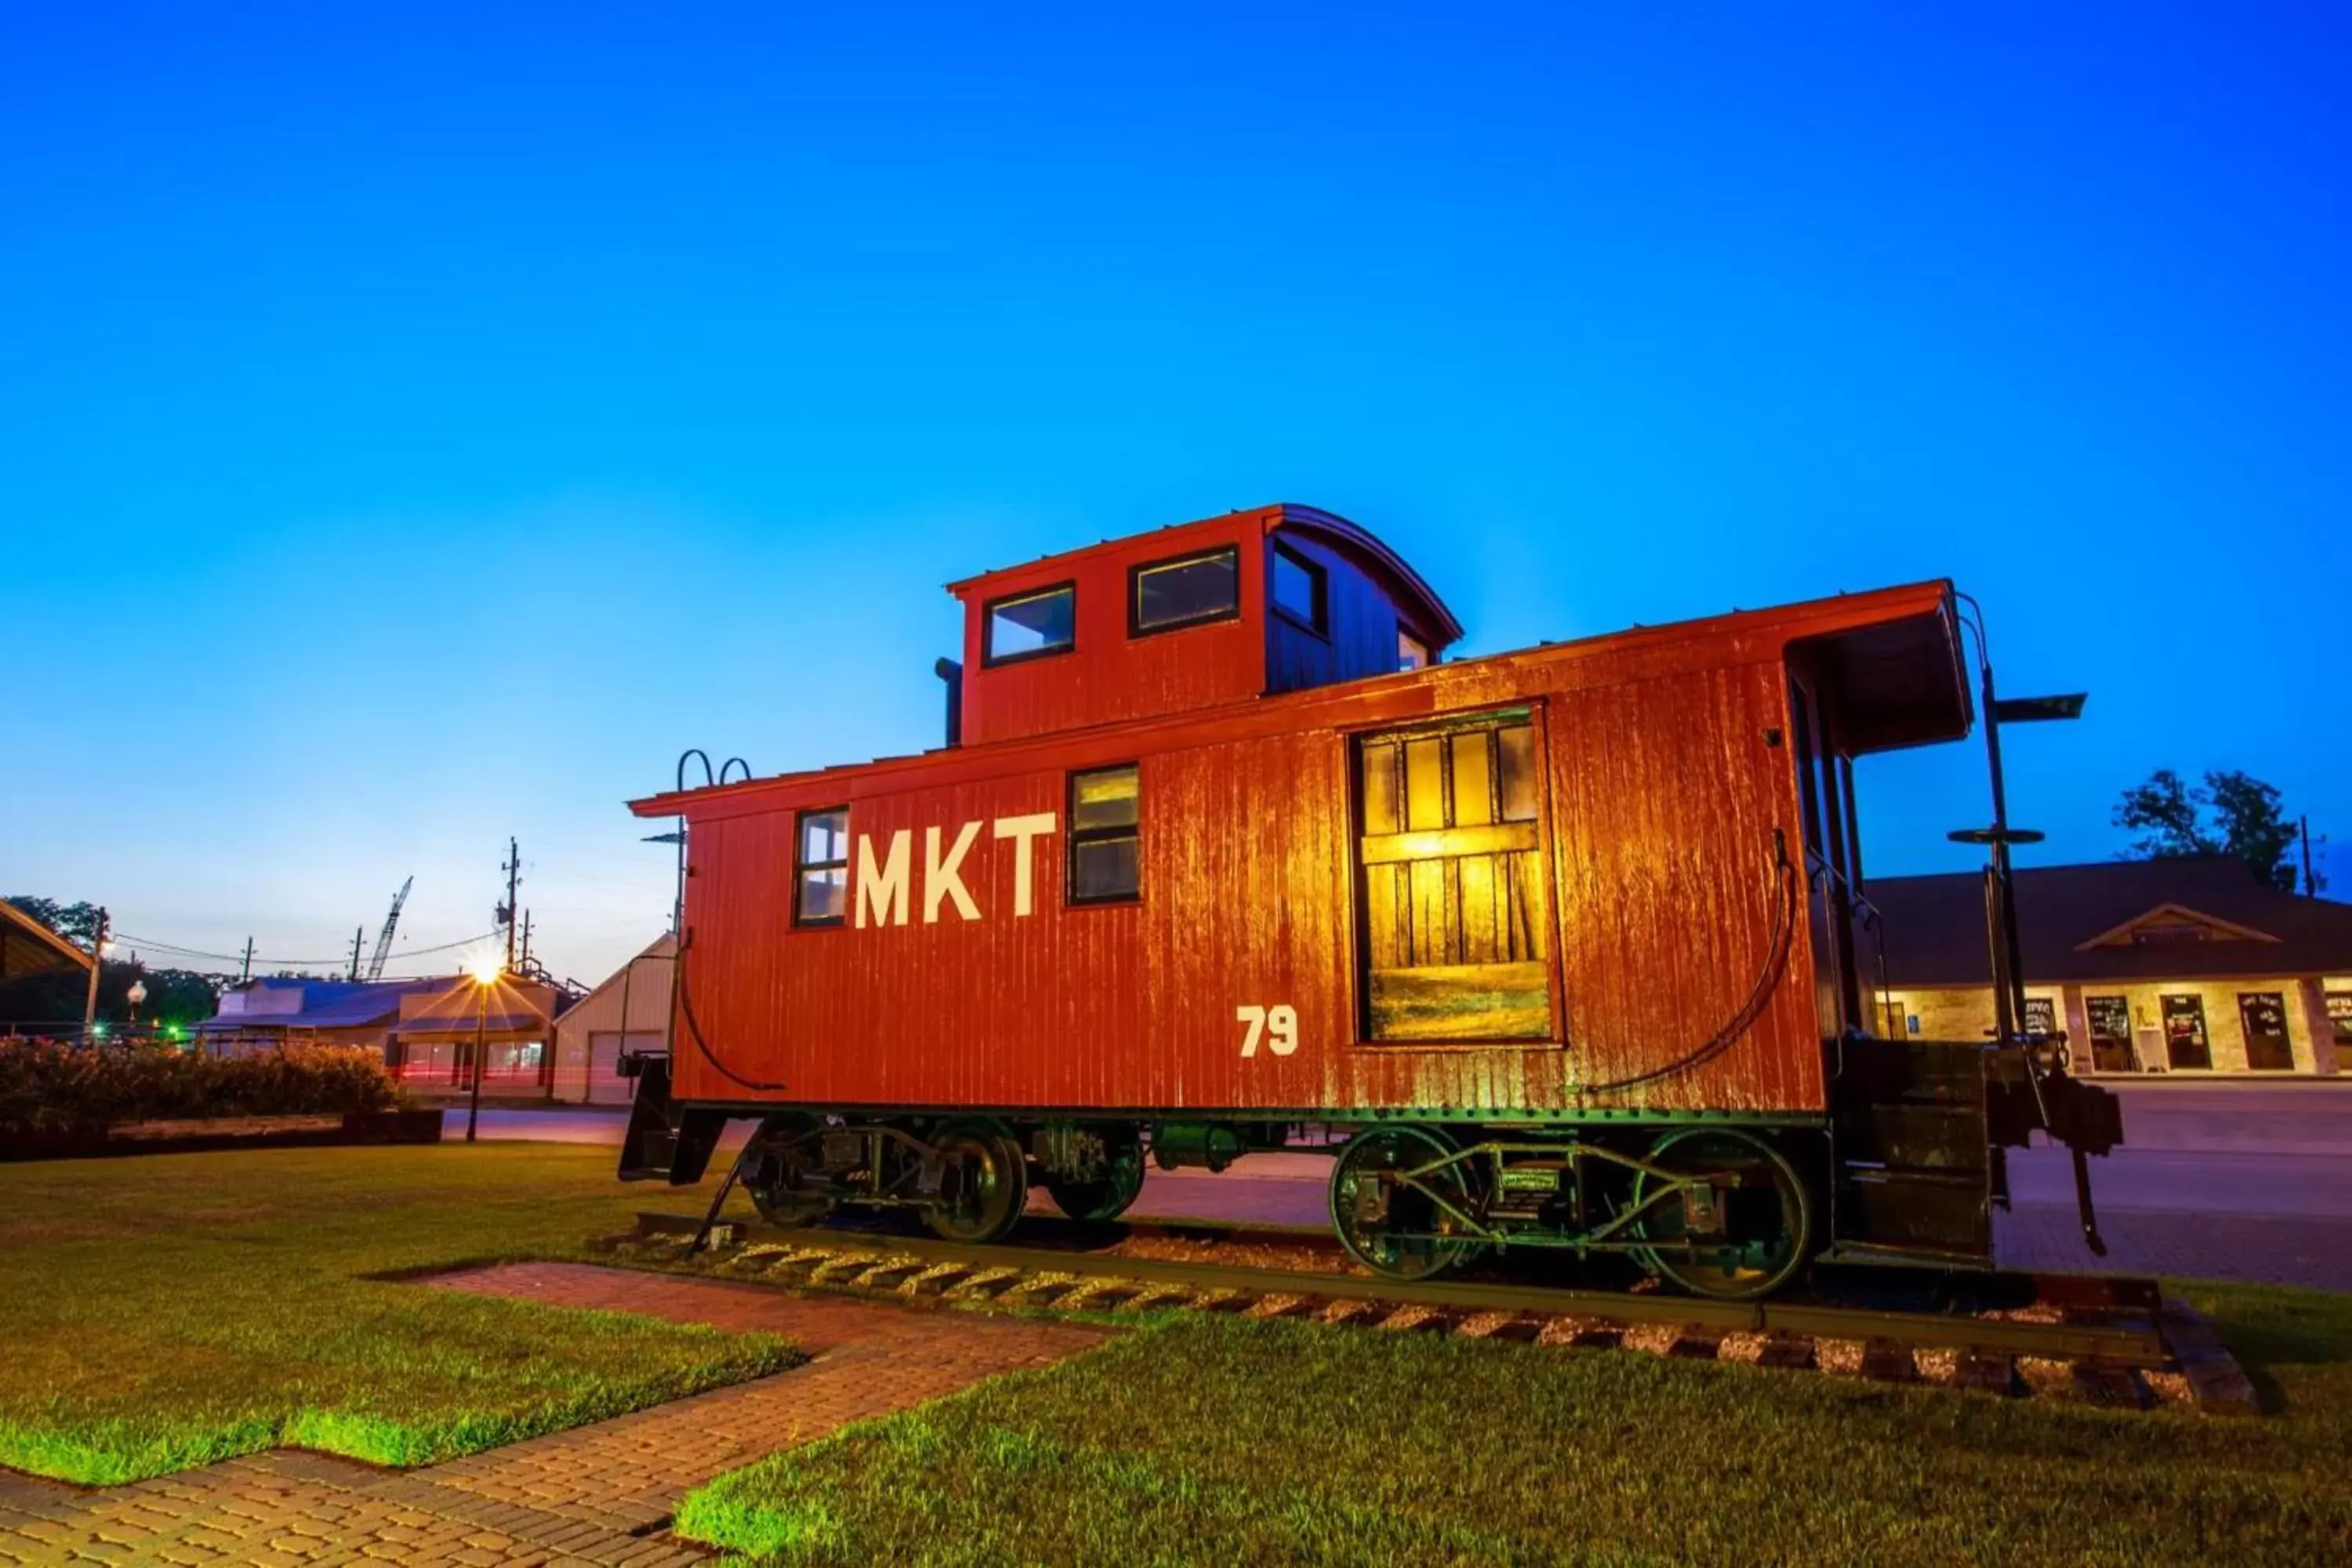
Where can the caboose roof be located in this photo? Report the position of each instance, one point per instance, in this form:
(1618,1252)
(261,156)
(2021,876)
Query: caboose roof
(1406,587)
(1894,653)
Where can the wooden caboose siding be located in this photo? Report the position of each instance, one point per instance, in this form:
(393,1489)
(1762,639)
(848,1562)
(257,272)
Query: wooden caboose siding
(1247,900)
(1663,793)
(1667,796)
(1108,676)
(1361,623)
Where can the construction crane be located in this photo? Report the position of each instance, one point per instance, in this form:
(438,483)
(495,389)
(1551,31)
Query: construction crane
(383,941)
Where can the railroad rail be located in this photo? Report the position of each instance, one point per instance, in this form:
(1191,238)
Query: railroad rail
(2111,1341)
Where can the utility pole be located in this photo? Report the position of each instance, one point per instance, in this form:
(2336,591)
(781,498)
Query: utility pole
(2310,885)
(97,962)
(245,970)
(357,937)
(514,879)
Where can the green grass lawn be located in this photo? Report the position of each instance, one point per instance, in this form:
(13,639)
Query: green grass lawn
(1217,1441)
(166,1310)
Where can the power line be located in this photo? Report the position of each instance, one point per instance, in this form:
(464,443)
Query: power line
(124,939)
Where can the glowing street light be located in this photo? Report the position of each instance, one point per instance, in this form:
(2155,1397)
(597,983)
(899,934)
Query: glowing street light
(136,994)
(485,973)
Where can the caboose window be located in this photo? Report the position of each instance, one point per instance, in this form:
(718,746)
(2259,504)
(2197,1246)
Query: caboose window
(1167,594)
(1106,848)
(1030,625)
(822,867)
(1298,590)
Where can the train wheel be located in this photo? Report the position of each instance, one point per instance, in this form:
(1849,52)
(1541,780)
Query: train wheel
(1767,1229)
(1106,1199)
(775,1164)
(983,1186)
(1400,1231)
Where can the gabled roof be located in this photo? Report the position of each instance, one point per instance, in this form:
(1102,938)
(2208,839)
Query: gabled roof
(664,946)
(28,947)
(2070,916)
(2175,918)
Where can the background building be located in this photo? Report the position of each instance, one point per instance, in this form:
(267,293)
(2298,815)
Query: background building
(630,1011)
(2183,965)
(263,1015)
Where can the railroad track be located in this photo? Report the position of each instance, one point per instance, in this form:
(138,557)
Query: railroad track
(2110,1342)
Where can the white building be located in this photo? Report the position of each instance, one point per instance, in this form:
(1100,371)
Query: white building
(630,1011)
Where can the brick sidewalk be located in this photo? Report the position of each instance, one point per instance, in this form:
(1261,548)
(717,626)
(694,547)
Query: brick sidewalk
(596,1494)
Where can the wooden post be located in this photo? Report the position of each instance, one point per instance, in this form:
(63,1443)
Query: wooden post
(97,962)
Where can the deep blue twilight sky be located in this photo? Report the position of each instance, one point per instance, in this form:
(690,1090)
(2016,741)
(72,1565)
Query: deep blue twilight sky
(418,429)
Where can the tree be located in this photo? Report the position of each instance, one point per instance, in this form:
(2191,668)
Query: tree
(179,997)
(75,922)
(2231,813)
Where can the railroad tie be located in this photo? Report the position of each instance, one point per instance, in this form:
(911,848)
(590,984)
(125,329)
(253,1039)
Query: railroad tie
(1039,1290)
(1347,1309)
(983,1284)
(795,1264)
(841,1267)
(2216,1382)
(1693,1341)
(882,1273)
(1797,1352)
(1413,1319)
(1515,1327)
(1581,1332)
(1986,1372)
(2106,1382)
(1887,1361)
(1098,1295)
(1156,1296)
(934,1281)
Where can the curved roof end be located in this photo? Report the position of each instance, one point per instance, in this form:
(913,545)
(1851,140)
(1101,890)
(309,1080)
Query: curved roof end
(1420,598)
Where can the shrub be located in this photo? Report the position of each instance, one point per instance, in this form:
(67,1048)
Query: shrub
(46,1086)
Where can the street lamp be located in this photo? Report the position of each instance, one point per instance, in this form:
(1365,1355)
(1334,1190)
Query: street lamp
(486,973)
(136,994)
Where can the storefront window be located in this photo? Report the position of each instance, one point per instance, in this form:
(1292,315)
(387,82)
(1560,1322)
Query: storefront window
(2111,1033)
(2263,1014)
(2187,1047)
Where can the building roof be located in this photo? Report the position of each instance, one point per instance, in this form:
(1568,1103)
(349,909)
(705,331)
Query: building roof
(28,947)
(330,1004)
(2114,920)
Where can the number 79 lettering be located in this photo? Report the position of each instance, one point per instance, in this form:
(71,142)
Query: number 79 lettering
(1277,1026)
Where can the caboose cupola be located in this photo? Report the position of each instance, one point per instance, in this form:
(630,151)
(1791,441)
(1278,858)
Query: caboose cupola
(1203,614)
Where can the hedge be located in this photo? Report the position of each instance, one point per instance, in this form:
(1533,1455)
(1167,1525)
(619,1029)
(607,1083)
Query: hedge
(47,1088)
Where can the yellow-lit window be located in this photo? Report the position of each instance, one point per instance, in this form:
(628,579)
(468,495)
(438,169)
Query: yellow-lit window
(1106,837)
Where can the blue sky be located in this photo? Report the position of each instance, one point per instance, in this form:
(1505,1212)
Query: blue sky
(417,429)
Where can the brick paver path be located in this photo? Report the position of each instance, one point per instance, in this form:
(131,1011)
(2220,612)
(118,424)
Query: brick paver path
(597,1494)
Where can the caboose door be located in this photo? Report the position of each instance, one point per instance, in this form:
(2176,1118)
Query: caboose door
(1452,913)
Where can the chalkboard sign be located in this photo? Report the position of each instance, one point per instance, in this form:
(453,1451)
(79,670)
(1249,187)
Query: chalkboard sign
(2110,1018)
(2040,1015)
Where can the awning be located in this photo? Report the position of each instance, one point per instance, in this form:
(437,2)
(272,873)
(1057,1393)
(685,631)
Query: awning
(28,947)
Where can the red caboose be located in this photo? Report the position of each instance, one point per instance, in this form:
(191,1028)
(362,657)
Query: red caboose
(1574,940)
